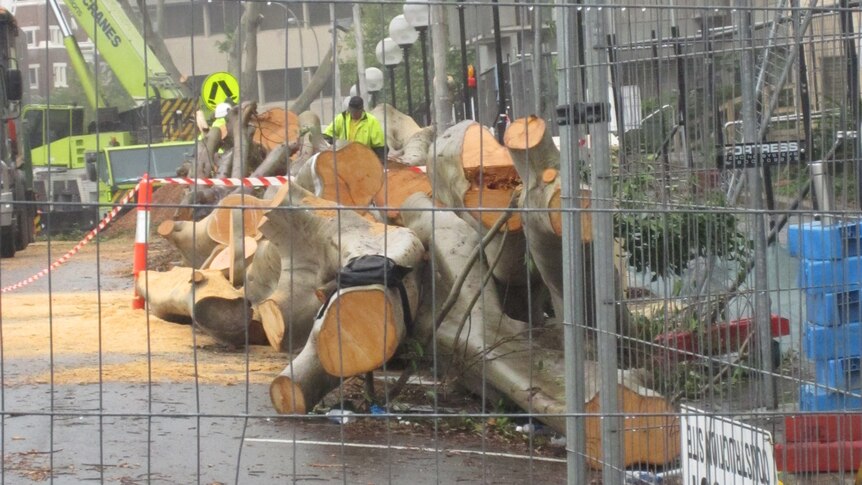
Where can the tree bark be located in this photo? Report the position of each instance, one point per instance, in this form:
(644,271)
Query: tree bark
(470,170)
(349,176)
(315,85)
(440,47)
(219,309)
(190,238)
(398,127)
(491,352)
(303,383)
(538,162)
(314,244)
(244,46)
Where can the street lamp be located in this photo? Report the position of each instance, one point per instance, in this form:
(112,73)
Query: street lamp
(389,55)
(374,83)
(404,35)
(419,16)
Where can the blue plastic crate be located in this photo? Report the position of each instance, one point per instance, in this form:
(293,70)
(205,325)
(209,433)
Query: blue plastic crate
(813,398)
(831,309)
(813,240)
(823,343)
(831,276)
(840,373)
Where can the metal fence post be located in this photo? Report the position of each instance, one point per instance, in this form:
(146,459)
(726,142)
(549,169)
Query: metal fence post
(568,90)
(755,187)
(603,243)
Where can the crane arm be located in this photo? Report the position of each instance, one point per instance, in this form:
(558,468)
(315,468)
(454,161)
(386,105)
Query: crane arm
(76,58)
(122,47)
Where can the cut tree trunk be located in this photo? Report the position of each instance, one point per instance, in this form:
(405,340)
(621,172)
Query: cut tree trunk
(491,352)
(538,162)
(397,126)
(219,309)
(275,127)
(401,182)
(407,142)
(314,244)
(469,169)
(315,85)
(349,176)
(190,238)
(303,383)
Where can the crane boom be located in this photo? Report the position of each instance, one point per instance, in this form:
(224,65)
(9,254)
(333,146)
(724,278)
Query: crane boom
(122,47)
(76,58)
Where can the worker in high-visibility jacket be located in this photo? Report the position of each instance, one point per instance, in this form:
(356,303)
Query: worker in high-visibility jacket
(220,118)
(357,125)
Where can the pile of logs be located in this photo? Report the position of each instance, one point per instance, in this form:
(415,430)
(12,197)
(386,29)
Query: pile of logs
(267,267)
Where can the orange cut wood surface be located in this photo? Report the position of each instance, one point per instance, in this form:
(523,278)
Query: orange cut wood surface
(350,176)
(219,228)
(492,199)
(400,184)
(651,430)
(358,333)
(524,133)
(481,149)
(274,127)
(556,216)
(287,397)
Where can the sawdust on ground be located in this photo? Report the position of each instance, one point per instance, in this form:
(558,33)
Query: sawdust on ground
(79,329)
(133,346)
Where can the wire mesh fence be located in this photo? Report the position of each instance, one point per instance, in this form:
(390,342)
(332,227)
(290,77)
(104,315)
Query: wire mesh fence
(587,243)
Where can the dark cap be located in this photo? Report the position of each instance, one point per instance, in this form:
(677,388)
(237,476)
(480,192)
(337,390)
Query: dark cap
(356,103)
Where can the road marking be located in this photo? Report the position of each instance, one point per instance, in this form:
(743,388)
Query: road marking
(406,448)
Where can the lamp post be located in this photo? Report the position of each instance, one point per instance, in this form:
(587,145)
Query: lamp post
(374,83)
(389,55)
(404,35)
(419,16)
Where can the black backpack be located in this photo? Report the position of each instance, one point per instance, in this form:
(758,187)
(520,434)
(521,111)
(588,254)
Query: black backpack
(374,269)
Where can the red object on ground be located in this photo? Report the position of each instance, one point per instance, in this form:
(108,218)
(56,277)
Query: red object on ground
(718,339)
(142,229)
(823,428)
(837,456)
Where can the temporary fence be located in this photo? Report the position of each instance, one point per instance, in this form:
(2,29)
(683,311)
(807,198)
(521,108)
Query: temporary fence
(640,264)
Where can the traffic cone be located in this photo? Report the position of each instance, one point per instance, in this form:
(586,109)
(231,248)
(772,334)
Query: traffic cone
(142,230)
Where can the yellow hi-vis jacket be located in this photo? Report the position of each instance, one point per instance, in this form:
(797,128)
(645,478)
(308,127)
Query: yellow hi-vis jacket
(366,130)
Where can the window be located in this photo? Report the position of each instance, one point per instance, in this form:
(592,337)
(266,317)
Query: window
(33,71)
(30,33)
(182,20)
(55,36)
(319,12)
(60,75)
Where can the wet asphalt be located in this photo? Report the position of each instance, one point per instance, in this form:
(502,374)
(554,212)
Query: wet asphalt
(188,433)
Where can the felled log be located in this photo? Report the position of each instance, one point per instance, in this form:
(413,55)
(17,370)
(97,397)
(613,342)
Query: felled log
(489,351)
(538,162)
(469,169)
(401,182)
(190,238)
(275,127)
(304,382)
(407,142)
(204,297)
(349,176)
(314,244)
(397,126)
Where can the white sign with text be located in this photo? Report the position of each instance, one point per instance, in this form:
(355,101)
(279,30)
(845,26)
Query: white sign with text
(720,451)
